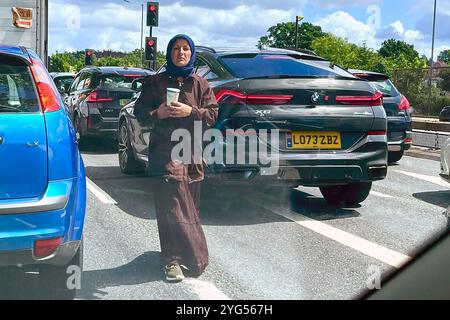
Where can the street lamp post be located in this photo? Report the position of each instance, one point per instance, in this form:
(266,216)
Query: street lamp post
(432,57)
(297,20)
(142,30)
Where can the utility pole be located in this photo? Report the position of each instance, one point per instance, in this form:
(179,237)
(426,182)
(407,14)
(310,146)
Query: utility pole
(297,20)
(142,29)
(432,58)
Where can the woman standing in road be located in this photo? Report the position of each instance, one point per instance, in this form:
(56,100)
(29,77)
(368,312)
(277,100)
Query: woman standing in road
(177,183)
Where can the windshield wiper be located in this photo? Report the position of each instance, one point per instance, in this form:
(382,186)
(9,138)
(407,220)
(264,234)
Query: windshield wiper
(2,106)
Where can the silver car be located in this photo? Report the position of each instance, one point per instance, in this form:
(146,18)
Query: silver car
(445,161)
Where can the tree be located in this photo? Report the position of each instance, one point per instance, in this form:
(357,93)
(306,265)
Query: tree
(444,84)
(282,35)
(396,49)
(444,56)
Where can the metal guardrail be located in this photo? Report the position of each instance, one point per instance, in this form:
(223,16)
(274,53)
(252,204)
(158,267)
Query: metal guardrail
(429,139)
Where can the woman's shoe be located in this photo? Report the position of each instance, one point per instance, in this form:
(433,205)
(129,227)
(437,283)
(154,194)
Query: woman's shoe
(173,272)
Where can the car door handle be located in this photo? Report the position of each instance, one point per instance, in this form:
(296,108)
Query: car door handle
(33,144)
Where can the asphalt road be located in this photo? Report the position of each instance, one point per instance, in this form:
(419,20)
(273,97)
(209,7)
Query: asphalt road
(263,244)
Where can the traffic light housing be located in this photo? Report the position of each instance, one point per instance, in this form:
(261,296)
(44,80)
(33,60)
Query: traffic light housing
(88,57)
(150,48)
(152,14)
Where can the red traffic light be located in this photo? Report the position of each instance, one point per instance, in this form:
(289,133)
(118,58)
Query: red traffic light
(152,7)
(151,43)
(89,53)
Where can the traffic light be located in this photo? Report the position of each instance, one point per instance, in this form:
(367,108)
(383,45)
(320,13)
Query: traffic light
(88,57)
(152,14)
(150,48)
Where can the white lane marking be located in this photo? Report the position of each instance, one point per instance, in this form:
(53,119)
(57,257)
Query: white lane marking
(206,290)
(364,246)
(432,179)
(379,194)
(99,193)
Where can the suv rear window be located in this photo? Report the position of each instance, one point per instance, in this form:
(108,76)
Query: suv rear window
(117,81)
(17,91)
(386,87)
(266,65)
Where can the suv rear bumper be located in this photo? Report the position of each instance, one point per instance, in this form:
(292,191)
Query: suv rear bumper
(309,169)
(102,127)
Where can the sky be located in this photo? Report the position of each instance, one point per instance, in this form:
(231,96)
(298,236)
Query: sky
(116,24)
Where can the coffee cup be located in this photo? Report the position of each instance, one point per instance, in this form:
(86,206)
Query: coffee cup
(172,95)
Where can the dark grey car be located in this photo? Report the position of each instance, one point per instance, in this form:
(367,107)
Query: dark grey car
(332,125)
(398,111)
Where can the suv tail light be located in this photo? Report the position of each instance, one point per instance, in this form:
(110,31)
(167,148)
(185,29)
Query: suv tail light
(375,100)
(93,97)
(404,104)
(44,248)
(48,95)
(235,97)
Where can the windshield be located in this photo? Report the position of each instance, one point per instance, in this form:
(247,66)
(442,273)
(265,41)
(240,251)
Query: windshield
(116,81)
(269,65)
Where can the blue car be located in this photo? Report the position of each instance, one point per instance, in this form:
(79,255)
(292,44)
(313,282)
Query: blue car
(42,177)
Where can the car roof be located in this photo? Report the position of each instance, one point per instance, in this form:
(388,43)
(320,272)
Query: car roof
(15,51)
(225,51)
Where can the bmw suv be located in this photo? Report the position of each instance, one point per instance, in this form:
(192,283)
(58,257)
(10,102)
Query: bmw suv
(96,96)
(332,125)
(42,178)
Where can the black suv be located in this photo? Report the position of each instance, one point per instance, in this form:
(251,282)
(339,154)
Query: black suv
(96,96)
(398,113)
(332,125)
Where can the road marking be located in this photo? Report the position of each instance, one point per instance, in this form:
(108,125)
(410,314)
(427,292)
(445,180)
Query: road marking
(388,256)
(379,194)
(99,193)
(432,179)
(206,290)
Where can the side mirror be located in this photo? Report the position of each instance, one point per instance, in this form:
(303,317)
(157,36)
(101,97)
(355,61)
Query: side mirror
(136,85)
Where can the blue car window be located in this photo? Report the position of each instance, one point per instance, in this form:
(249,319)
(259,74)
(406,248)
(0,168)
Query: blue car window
(17,91)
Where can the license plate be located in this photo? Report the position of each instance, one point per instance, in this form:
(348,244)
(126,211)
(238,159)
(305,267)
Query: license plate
(124,101)
(313,140)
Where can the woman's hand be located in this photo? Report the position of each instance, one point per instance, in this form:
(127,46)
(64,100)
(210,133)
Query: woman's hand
(179,110)
(162,112)
(175,110)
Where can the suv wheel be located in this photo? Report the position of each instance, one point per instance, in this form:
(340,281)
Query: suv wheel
(395,156)
(128,164)
(53,280)
(347,195)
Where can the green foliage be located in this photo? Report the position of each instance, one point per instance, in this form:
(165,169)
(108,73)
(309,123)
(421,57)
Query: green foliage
(444,84)
(444,56)
(283,35)
(396,49)
(349,55)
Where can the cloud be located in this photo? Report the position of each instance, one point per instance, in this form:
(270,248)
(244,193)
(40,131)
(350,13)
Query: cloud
(397,31)
(242,25)
(343,25)
(334,4)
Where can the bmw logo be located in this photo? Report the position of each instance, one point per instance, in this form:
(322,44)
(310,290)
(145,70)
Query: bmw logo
(315,97)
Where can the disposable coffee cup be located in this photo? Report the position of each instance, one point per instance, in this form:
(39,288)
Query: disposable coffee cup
(172,95)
